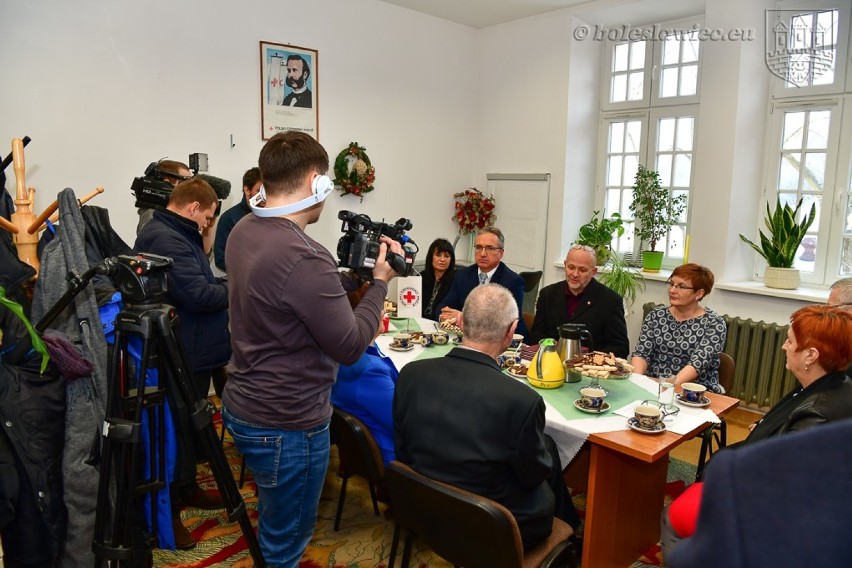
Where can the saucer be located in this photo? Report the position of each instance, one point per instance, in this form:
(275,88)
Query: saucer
(516,375)
(634,425)
(578,404)
(395,348)
(682,399)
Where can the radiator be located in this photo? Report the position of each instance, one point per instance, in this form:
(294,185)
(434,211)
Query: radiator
(760,379)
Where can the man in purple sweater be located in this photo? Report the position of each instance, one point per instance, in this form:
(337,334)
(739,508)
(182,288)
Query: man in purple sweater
(291,324)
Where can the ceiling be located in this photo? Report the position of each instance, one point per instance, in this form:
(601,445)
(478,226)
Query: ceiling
(484,13)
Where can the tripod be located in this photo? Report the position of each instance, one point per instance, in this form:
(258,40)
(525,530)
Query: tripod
(155,324)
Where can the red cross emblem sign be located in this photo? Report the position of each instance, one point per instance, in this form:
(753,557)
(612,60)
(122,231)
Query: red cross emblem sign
(409,297)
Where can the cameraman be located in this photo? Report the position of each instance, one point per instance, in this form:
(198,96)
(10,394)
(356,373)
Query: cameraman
(171,172)
(201,302)
(291,324)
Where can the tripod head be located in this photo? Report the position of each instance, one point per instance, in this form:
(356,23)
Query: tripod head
(141,279)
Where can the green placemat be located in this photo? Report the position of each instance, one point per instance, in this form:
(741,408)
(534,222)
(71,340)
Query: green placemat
(621,392)
(405,324)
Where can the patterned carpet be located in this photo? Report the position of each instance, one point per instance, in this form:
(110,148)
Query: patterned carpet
(364,540)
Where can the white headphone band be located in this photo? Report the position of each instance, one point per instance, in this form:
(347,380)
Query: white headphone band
(321,188)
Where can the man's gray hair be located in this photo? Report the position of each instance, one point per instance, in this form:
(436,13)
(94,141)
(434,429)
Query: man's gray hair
(844,285)
(488,312)
(496,232)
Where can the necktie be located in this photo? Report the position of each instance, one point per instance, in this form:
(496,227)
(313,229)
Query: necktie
(482,278)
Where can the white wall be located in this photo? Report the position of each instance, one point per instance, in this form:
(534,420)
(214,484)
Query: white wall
(105,87)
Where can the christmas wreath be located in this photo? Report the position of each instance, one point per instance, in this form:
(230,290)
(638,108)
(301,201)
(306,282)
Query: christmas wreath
(353,172)
(474,211)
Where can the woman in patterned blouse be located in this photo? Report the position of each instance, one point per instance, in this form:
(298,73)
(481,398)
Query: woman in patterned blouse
(683,339)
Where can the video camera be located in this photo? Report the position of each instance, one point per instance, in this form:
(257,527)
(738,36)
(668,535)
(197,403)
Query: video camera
(152,190)
(141,279)
(358,248)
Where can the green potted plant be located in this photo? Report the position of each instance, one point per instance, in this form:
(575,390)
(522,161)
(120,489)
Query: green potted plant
(780,246)
(654,212)
(618,276)
(598,234)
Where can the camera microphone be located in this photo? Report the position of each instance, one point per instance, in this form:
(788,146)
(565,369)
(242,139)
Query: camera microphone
(222,187)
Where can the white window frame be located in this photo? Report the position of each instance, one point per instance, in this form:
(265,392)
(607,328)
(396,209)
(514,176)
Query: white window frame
(649,110)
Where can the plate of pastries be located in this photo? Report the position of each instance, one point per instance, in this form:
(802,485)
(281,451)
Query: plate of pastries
(600,365)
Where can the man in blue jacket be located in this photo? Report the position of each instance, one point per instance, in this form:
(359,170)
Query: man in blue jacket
(489,269)
(201,302)
(251,185)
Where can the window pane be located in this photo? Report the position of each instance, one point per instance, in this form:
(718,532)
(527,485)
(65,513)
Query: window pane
(682,218)
(668,82)
(684,133)
(807,202)
(634,137)
(690,49)
(631,166)
(664,166)
(683,169)
(786,199)
(688,80)
(635,85)
(616,137)
(818,129)
(788,177)
(619,89)
(614,171)
(814,174)
(806,254)
(613,203)
(675,242)
(846,257)
(637,55)
(794,123)
(671,50)
(619,57)
(665,138)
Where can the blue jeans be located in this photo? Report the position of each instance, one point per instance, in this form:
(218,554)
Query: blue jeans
(289,468)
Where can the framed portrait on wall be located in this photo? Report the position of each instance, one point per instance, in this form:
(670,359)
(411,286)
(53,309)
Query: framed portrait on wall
(289,89)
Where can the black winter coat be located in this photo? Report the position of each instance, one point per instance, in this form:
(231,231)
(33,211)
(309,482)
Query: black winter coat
(201,299)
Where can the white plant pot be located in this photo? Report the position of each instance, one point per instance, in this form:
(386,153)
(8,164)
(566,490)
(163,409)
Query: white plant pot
(781,278)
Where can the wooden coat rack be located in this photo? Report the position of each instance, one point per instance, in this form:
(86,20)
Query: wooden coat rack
(25,225)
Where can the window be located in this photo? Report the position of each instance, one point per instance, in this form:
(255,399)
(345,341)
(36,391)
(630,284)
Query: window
(810,155)
(649,116)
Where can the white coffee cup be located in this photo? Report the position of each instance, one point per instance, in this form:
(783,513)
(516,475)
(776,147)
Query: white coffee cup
(592,397)
(693,392)
(648,417)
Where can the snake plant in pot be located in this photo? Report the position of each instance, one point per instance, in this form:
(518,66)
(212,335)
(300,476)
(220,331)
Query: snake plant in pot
(779,247)
(598,234)
(654,212)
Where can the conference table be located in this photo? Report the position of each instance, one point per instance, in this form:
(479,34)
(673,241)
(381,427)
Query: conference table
(622,472)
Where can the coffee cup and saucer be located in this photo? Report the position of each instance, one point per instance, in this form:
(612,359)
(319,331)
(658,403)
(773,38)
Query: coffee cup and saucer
(693,395)
(648,419)
(592,400)
(401,342)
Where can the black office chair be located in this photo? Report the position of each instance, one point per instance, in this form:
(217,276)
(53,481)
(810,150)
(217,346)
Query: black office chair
(464,528)
(716,433)
(359,455)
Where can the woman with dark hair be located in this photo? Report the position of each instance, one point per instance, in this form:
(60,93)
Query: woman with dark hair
(818,350)
(437,276)
(683,339)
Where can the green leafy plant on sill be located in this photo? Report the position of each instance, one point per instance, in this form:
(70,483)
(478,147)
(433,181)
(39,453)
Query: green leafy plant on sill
(599,232)
(654,209)
(620,277)
(785,234)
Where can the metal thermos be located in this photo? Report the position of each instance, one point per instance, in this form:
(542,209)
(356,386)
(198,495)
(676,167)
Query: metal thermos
(571,338)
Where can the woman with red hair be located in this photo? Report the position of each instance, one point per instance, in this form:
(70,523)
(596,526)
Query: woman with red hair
(818,349)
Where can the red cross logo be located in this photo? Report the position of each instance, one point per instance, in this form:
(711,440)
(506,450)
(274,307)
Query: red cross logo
(409,296)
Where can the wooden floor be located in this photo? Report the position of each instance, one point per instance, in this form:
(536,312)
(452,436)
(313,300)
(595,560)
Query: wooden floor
(738,422)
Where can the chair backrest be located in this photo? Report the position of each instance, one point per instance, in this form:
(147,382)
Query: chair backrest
(461,527)
(726,372)
(531,280)
(356,446)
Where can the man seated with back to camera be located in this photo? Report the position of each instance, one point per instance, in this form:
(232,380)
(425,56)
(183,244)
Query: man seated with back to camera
(251,186)
(488,269)
(583,300)
(460,420)
(201,302)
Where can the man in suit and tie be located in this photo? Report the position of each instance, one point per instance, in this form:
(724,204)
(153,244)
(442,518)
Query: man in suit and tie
(489,269)
(459,420)
(582,299)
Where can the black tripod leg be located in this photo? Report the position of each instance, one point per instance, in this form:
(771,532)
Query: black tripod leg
(201,411)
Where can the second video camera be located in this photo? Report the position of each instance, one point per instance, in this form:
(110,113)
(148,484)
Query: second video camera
(358,248)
